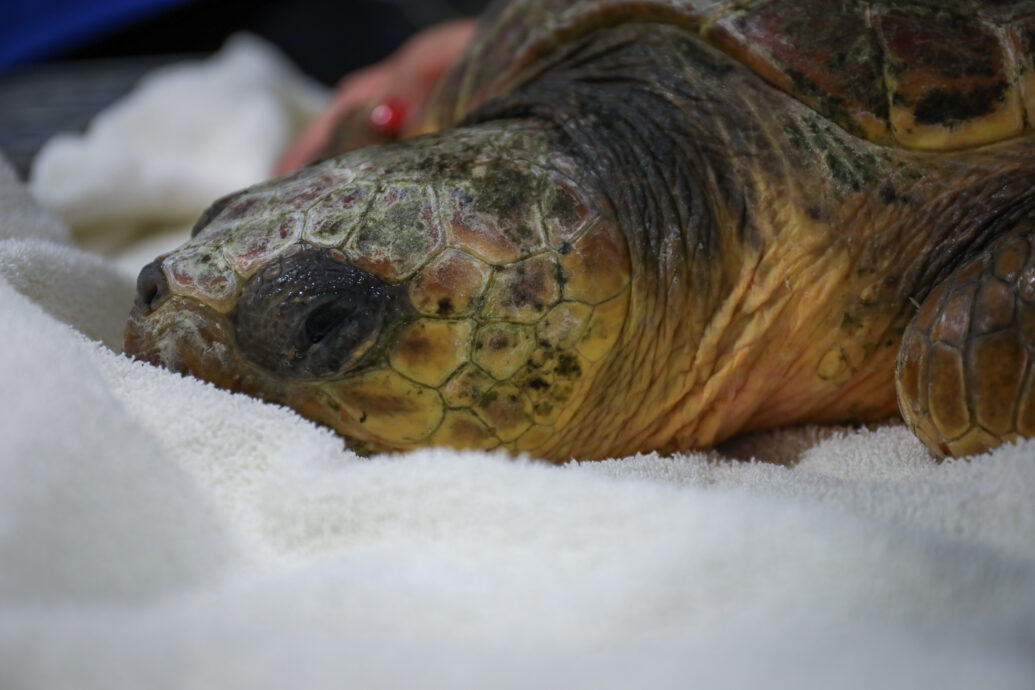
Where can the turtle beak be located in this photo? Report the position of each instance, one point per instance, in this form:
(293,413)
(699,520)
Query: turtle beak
(182,335)
(176,332)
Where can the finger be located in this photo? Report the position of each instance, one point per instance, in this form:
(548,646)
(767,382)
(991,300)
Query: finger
(410,75)
(357,90)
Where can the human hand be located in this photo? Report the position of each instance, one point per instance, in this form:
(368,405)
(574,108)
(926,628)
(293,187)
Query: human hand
(404,81)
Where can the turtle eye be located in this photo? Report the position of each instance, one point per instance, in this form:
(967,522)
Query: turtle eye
(310,315)
(324,319)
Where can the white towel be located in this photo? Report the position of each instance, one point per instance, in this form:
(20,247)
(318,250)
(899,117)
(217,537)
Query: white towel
(187,134)
(156,532)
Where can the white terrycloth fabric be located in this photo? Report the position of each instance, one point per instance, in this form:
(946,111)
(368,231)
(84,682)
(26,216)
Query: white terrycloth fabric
(187,134)
(156,532)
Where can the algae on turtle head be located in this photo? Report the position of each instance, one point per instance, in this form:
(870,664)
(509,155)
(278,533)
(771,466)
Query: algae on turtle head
(647,225)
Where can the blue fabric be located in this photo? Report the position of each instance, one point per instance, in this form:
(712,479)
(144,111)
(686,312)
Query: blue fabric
(31,29)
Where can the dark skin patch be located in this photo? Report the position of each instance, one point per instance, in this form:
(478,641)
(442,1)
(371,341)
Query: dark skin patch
(850,323)
(445,307)
(813,212)
(800,81)
(525,291)
(463,198)
(694,53)
(841,171)
(565,248)
(504,191)
(849,165)
(384,405)
(558,275)
(940,106)
(414,348)
(796,136)
(538,384)
(518,234)
(568,366)
(887,194)
(563,208)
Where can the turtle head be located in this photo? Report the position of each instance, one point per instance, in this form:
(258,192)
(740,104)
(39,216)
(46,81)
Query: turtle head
(463,289)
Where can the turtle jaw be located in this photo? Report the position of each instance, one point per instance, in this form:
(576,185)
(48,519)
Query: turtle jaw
(189,338)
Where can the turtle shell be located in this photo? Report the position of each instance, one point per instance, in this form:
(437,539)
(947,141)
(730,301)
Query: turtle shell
(920,74)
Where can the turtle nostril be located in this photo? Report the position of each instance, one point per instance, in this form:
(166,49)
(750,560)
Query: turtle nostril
(152,287)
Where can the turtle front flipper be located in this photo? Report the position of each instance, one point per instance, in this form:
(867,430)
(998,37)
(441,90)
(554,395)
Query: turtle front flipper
(964,374)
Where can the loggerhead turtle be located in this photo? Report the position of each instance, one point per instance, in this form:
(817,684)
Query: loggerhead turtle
(648,224)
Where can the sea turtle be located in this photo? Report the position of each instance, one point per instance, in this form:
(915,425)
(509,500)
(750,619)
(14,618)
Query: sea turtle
(635,225)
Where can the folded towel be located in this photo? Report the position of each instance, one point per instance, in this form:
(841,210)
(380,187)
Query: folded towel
(188,134)
(158,532)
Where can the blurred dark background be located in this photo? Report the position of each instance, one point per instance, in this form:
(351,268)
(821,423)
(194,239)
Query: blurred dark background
(61,61)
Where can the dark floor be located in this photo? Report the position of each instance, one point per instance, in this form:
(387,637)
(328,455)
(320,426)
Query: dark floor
(325,39)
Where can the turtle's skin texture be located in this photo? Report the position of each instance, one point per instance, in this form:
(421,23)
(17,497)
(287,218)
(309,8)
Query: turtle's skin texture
(637,226)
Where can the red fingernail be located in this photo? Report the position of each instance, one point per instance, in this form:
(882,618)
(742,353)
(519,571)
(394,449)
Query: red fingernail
(387,117)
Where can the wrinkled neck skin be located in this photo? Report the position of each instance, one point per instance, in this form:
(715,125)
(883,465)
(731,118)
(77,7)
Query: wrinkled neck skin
(655,140)
(776,258)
